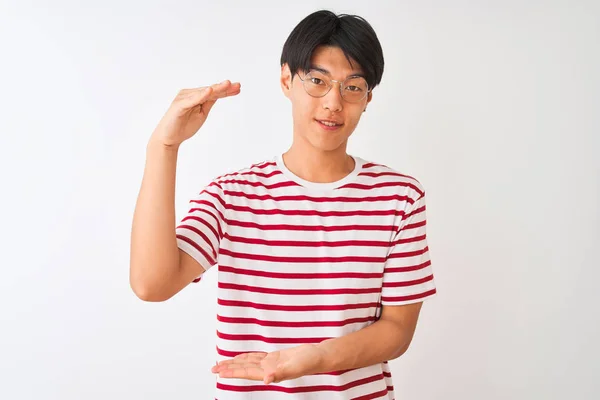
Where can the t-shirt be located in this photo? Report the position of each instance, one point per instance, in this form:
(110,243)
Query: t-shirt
(300,262)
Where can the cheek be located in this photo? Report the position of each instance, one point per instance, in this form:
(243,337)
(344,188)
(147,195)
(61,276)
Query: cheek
(352,119)
(303,110)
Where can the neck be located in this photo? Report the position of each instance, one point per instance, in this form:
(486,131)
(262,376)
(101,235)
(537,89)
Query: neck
(318,166)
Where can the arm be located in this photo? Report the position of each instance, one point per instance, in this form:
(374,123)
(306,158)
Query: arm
(384,340)
(158,269)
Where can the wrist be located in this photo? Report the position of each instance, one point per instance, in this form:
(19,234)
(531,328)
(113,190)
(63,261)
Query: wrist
(156,142)
(325,361)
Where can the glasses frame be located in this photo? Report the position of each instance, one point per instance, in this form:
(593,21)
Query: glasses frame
(340,85)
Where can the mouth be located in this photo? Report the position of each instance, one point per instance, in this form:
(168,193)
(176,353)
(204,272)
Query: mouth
(328,124)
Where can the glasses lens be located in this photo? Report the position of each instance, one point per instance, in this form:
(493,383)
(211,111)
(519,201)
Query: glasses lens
(355,89)
(316,84)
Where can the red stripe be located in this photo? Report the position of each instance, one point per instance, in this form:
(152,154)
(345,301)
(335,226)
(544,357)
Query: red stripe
(209,204)
(414,226)
(352,213)
(261,184)
(299,275)
(301,243)
(231,354)
(306,243)
(376,395)
(205,210)
(294,292)
(312,228)
(300,308)
(408,283)
(220,233)
(409,253)
(205,223)
(409,240)
(261,257)
(294,324)
(215,196)
(204,253)
(264,339)
(202,235)
(261,165)
(376,174)
(300,389)
(372,164)
(371,199)
(407,269)
(415,212)
(359,186)
(387,374)
(264,164)
(408,298)
(252,173)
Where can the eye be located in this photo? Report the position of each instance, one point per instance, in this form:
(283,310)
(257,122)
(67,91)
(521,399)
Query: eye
(316,81)
(354,88)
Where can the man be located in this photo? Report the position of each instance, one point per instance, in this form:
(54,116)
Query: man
(322,256)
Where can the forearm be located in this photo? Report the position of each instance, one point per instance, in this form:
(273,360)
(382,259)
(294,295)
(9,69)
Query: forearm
(154,252)
(382,341)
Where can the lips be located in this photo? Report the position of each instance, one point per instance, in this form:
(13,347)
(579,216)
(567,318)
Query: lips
(330,122)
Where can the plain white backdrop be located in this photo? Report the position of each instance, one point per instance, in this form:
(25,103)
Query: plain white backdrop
(493,105)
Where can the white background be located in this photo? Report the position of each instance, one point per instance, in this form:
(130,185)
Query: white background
(493,105)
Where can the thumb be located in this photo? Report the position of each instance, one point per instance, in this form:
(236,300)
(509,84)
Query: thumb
(197,98)
(206,106)
(268,379)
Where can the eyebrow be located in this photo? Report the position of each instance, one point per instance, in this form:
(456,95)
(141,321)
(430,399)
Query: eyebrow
(323,70)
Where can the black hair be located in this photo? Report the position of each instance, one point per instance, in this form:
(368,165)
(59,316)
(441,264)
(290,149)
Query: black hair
(351,33)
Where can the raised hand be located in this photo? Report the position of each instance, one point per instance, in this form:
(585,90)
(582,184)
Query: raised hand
(189,111)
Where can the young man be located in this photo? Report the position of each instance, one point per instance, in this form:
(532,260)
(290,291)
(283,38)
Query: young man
(322,256)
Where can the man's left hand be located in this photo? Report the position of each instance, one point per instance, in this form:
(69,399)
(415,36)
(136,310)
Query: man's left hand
(273,367)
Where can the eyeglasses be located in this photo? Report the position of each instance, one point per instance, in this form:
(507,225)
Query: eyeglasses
(352,89)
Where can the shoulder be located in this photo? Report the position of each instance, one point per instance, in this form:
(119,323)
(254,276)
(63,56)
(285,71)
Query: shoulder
(377,174)
(260,172)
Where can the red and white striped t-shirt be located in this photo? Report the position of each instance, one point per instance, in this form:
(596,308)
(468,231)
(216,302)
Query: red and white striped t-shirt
(300,262)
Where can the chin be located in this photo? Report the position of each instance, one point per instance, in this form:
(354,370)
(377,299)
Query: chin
(326,144)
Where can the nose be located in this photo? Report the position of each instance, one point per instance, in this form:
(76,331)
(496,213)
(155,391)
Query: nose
(333,100)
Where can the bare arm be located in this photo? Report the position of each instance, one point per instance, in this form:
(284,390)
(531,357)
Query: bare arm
(384,340)
(158,269)
(393,333)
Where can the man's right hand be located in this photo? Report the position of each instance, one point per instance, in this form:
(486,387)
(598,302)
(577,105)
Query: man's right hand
(189,110)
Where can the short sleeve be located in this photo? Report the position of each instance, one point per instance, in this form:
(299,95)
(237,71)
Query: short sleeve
(408,275)
(200,232)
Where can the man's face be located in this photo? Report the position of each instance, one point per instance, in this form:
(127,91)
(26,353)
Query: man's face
(308,111)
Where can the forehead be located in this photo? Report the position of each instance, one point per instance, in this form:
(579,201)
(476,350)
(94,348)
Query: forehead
(332,60)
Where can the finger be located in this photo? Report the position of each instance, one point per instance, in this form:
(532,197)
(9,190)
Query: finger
(196,98)
(254,357)
(269,379)
(191,98)
(225,89)
(245,357)
(255,374)
(205,106)
(233,366)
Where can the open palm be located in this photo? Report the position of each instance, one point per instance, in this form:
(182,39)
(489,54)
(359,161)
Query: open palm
(272,367)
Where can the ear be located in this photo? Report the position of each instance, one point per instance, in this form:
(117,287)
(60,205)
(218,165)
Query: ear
(286,80)
(369,98)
